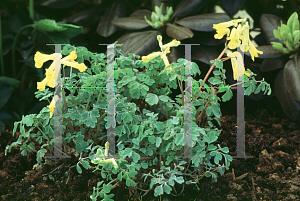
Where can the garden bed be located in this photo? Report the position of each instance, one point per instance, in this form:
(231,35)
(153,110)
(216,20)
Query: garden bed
(271,138)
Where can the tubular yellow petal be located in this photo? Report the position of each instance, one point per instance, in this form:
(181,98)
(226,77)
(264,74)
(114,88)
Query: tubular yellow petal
(234,39)
(40,59)
(52,105)
(70,57)
(41,85)
(223,25)
(245,38)
(81,67)
(248,74)
(221,32)
(150,56)
(51,83)
(240,66)
(253,51)
(173,43)
(166,61)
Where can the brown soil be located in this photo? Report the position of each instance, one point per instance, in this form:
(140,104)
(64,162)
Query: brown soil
(271,138)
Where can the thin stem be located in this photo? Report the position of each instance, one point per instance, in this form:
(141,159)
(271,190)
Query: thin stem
(1,55)
(211,68)
(14,48)
(31,9)
(43,133)
(86,107)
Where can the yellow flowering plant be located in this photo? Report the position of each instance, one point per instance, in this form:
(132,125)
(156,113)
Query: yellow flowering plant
(149,125)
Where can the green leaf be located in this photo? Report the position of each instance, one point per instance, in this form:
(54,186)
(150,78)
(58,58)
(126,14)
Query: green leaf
(214,81)
(84,116)
(225,149)
(179,180)
(151,99)
(107,188)
(132,173)
(293,22)
(95,113)
(91,122)
(296,36)
(158,190)
(120,176)
(151,139)
(48,25)
(217,158)
(208,111)
(158,141)
(136,157)
(277,46)
(159,126)
(258,89)
(227,96)
(86,164)
(78,168)
(167,188)
(163,98)
(179,139)
(219,63)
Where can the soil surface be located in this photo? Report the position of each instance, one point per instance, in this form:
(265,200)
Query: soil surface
(272,174)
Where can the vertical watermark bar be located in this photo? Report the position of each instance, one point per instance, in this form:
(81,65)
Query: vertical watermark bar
(240,110)
(110,86)
(57,110)
(188,109)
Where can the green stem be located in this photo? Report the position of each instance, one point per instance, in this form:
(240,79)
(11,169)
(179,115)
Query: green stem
(31,9)
(14,48)
(88,101)
(1,55)
(43,133)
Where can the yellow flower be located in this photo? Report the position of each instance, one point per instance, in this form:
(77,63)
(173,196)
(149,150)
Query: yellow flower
(245,37)
(100,160)
(253,51)
(81,67)
(40,59)
(150,56)
(52,73)
(41,85)
(52,105)
(165,49)
(222,29)
(234,39)
(235,62)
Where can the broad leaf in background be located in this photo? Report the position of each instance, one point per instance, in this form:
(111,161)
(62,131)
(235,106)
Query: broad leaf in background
(147,41)
(186,7)
(203,22)
(268,23)
(232,6)
(116,10)
(292,77)
(290,106)
(179,32)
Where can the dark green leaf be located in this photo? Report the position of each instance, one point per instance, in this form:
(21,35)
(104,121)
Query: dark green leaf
(130,23)
(179,32)
(116,10)
(203,22)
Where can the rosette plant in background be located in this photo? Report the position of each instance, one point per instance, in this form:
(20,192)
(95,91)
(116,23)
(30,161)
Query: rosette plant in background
(282,56)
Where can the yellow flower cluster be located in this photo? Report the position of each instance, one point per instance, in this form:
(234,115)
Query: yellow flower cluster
(52,73)
(165,49)
(239,36)
(99,160)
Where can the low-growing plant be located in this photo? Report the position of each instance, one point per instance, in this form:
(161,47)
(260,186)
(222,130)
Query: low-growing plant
(150,129)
